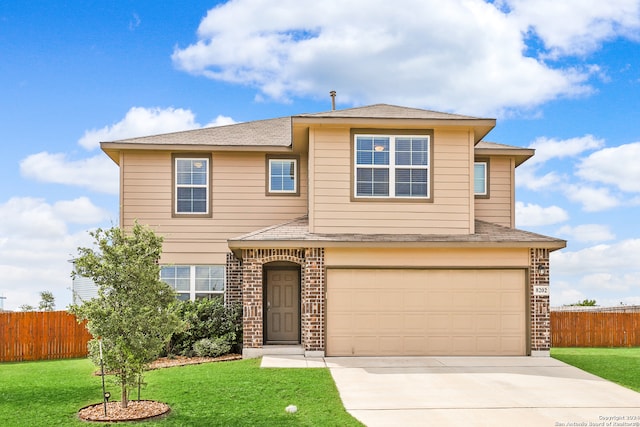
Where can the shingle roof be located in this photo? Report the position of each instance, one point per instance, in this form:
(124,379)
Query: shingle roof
(486,233)
(271,132)
(386,111)
(278,132)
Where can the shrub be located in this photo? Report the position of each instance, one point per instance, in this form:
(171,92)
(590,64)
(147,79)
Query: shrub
(206,319)
(211,347)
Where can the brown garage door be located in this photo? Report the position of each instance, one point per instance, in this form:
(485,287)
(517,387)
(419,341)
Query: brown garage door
(393,312)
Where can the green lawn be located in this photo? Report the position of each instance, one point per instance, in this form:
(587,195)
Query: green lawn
(620,365)
(235,393)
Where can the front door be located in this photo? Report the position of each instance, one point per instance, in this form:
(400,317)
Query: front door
(282,306)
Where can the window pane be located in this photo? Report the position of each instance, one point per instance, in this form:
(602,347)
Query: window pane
(191,182)
(282,175)
(411,151)
(370,150)
(479,178)
(210,278)
(177,277)
(183,297)
(193,200)
(365,143)
(411,182)
(372,182)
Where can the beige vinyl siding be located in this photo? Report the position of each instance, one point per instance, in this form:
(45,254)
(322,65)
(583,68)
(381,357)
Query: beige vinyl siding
(238,200)
(498,208)
(427,257)
(335,211)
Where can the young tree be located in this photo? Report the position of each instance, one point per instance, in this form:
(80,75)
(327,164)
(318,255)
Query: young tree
(27,307)
(47,301)
(132,313)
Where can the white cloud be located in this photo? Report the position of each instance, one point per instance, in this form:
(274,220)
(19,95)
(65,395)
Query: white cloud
(597,272)
(220,121)
(374,51)
(97,173)
(37,244)
(587,233)
(592,199)
(140,121)
(620,258)
(552,148)
(617,166)
(576,26)
(534,215)
(80,211)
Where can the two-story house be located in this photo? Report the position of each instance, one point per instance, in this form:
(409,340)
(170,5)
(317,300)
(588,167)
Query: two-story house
(379,230)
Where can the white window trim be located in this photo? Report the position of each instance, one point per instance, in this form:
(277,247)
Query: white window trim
(486,166)
(295,175)
(192,281)
(205,186)
(391,166)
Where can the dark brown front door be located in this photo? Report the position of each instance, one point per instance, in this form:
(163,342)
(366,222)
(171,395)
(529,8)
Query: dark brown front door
(283,307)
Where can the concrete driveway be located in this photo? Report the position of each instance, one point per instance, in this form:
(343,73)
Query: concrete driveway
(479,391)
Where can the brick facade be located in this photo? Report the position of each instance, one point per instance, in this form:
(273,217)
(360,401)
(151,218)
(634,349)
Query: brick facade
(245,283)
(233,289)
(540,314)
(311,262)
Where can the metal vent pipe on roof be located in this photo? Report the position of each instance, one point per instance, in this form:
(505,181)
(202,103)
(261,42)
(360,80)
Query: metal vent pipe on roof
(333,100)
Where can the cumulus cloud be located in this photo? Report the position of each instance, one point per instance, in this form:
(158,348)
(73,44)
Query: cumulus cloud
(220,121)
(97,173)
(616,166)
(553,148)
(587,233)
(597,272)
(620,257)
(373,51)
(37,243)
(591,22)
(592,199)
(535,215)
(140,121)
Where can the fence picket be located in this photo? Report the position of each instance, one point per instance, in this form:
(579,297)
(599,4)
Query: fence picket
(40,335)
(594,329)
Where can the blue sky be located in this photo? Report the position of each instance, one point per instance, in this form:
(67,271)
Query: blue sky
(561,77)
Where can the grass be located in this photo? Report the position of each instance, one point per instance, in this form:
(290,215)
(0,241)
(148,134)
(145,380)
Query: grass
(235,393)
(619,365)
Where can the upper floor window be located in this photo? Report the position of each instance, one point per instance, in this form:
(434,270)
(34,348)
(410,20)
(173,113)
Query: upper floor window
(481,178)
(193,282)
(282,175)
(389,166)
(191,178)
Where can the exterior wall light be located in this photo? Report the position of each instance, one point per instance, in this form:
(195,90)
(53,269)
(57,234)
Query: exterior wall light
(541,269)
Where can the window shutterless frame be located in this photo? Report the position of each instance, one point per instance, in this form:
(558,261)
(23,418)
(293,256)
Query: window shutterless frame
(392,165)
(191,185)
(481,178)
(282,175)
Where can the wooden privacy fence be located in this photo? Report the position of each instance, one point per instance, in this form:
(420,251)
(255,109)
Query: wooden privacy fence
(41,335)
(595,329)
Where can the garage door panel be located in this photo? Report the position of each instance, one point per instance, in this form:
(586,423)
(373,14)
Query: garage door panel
(425,312)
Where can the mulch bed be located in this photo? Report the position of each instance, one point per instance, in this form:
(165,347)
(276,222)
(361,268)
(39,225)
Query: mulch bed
(139,410)
(136,410)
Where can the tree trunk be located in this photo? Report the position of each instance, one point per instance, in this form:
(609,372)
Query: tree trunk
(125,399)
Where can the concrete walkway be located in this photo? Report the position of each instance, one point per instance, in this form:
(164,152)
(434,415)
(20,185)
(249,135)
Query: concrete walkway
(473,391)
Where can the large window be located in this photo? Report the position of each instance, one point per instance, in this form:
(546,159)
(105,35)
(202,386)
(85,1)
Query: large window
(392,166)
(481,179)
(193,282)
(191,176)
(282,176)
